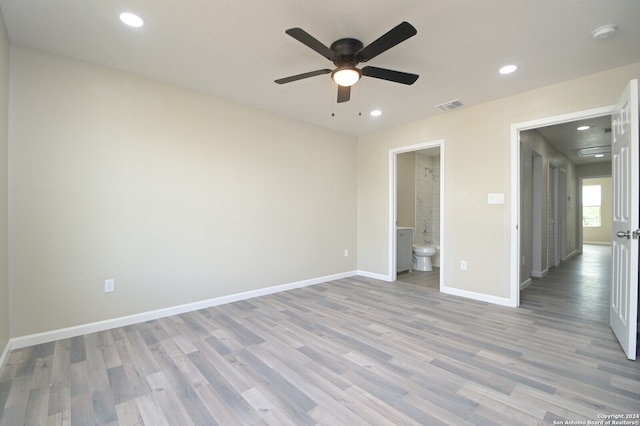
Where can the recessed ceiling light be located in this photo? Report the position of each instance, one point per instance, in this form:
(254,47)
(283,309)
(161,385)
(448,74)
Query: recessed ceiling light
(599,155)
(583,128)
(508,69)
(376,113)
(131,19)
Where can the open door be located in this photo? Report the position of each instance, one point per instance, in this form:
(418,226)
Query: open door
(624,285)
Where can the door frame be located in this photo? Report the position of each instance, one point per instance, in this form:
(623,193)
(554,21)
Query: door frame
(536,255)
(393,202)
(516,128)
(561,216)
(552,215)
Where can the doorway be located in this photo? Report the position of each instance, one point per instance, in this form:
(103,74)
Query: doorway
(435,228)
(624,146)
(543,221)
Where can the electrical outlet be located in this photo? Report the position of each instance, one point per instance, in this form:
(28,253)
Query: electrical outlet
(109,285)
(463,265)
(346,252)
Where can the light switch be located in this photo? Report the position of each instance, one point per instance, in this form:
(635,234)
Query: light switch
(495,198)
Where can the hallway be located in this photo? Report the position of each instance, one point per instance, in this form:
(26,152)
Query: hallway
(576,290)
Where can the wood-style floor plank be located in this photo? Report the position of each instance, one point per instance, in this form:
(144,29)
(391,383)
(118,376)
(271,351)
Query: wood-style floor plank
(350,351)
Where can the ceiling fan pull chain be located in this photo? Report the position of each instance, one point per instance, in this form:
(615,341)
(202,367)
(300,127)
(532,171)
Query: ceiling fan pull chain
(360,100)
(330,99)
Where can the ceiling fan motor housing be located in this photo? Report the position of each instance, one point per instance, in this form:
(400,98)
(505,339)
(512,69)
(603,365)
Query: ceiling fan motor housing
(346,49)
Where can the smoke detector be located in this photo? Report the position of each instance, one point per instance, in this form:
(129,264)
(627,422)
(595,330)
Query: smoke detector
(604,32)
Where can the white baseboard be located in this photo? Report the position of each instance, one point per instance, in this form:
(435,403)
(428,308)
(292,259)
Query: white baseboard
(539,274)
(453,291)
(573,253)
(598,243)
(525,283)
(504,301)
(374,276)
(4,356)
(79,330)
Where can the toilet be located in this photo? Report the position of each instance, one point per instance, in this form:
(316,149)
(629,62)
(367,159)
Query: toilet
(422,257)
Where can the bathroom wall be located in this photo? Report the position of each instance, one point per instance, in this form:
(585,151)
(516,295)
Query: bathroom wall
(428,200)
(406,189)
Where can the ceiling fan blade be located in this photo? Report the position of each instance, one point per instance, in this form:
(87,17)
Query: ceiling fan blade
(390,75)
(344,93)
(395,36)
(308,40)
(301,76)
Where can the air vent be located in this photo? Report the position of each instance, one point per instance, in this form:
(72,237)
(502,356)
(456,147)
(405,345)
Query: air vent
(590,152)
(448,106)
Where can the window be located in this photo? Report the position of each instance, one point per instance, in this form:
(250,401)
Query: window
(591,201)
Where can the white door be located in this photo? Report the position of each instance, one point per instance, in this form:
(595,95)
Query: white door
(624,286)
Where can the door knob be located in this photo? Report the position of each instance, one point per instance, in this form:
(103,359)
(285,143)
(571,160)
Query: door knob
(622,234)
(636,234)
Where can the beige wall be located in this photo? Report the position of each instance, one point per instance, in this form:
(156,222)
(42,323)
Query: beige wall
(477,162)
(4,134)
(182,197)
(178,196)
(601,234)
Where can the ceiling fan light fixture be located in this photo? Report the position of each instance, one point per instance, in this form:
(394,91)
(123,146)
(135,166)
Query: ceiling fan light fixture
(346,76)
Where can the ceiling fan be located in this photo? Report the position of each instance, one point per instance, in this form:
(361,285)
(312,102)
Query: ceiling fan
(346,53)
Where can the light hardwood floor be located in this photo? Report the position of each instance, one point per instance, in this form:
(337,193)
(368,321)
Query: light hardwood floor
(352,351)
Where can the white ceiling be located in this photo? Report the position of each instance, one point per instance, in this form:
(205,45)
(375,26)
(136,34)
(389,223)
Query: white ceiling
(567,139)
(234,49)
